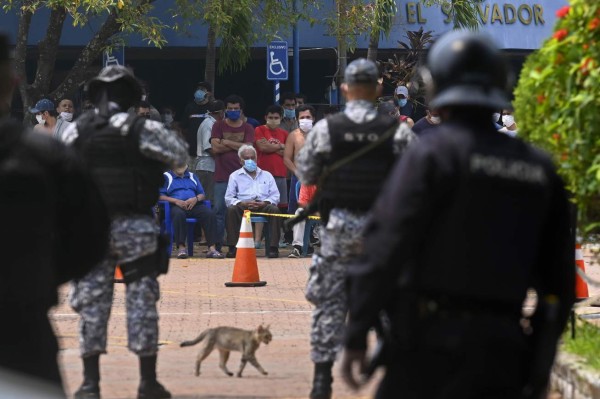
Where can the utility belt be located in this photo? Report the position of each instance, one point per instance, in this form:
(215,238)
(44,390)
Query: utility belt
(150,265)
(449,306)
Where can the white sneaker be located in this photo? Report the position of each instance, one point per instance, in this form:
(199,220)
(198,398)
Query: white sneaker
(182,253)
(295,253)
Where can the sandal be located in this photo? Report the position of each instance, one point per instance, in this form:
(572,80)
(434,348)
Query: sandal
(215,255)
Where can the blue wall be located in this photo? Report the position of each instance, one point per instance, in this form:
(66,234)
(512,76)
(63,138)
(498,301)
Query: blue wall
(514,24)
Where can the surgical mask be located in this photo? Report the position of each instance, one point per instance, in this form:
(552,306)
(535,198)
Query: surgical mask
(168,118)
(508,120)
(273,123)
(495,117)
(305,124)
(66,116)
(289,113)
(435,120)
(233,115)
(402,102)
(40,120)
(250,165)
(199,95)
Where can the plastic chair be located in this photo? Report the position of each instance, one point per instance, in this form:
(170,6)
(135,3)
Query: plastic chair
(167,227)
(266,231)
(308,227)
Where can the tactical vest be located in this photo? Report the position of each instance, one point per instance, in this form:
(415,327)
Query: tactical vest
(356,184)
(129,181)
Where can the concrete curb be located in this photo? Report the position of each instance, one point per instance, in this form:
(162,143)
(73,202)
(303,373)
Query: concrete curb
(573,379)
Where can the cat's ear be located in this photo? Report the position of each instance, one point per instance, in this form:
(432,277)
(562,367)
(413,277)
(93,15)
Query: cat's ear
(260,328)
(267,327)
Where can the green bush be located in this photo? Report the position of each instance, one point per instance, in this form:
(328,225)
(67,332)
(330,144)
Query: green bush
(557,104)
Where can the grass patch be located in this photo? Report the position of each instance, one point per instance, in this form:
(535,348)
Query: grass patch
(586,343)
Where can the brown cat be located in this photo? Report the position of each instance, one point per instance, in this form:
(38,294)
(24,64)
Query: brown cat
(229,339)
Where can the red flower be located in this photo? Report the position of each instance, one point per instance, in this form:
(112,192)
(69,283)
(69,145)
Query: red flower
(585,66)
(556,136)
(560,34)
(594,24)
(586,46)
(562,12)
(541,98)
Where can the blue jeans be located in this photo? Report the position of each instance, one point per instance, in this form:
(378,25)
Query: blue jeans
(220,209)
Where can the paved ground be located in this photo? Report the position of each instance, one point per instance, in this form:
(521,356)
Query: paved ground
(194,298)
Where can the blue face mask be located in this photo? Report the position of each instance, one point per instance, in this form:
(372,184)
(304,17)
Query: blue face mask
(289,113)
(250,165)
(199,95)
(402,102)
(233,115)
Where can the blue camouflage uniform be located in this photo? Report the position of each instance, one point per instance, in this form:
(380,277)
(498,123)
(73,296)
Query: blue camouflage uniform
(132,237)
(341,238)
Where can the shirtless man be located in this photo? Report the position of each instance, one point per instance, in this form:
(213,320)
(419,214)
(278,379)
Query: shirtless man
(293,144)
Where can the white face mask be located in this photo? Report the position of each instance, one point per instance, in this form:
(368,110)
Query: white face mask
(66,116)
(508,120)
(495,117)
(305,124)
(435,120)
(168,118)
(40,120)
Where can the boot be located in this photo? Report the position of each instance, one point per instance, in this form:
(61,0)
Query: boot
(149,387)
(322,381)
(90,389)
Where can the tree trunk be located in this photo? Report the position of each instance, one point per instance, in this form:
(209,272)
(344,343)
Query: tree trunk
(48,48)
(373,46)
(21,55)
(211,57)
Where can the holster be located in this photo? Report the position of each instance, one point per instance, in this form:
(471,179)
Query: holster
(149,265)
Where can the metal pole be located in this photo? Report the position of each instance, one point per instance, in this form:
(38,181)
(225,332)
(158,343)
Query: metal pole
(296,39)
(276,91)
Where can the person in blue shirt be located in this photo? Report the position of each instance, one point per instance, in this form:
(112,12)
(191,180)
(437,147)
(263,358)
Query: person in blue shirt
(183,190)
(254,189)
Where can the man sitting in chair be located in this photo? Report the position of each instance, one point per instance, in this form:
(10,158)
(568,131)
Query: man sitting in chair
(184,192)
(254,189)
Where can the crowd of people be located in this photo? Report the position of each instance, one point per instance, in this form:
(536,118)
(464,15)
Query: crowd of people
(421,206)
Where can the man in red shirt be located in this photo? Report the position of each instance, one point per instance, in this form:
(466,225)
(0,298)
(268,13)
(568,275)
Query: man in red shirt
(227,136)
(270,144)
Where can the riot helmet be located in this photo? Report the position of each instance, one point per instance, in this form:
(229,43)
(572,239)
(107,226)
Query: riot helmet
(466,69)
(118,84)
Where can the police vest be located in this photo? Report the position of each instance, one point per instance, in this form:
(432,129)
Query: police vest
(129,181)
(356,184)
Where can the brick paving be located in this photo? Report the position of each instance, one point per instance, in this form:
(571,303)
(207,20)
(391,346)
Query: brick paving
(194,298)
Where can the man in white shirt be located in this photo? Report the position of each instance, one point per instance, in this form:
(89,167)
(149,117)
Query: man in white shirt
(205,161)
(254,189)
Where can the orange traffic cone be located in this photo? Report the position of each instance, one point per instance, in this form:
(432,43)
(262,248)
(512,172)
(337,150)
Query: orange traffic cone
(245,269)
(581,288)
(118,275)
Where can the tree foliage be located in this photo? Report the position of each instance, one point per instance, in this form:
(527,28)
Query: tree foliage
(557,101)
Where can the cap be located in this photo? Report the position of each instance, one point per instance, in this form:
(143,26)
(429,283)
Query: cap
(402,90)
(216,106)
(361,71)
(43,105)
(4,53)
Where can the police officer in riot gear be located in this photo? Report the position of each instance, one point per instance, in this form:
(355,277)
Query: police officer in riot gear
(467,222)
(55,229)
(351,183)
(127,155)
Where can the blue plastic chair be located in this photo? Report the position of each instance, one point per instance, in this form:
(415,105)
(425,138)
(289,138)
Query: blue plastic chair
(308,227)
(266,232)
(167,227)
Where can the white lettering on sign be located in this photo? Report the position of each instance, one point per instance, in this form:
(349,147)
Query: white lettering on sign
(504,168)
(278,47)
(495,13)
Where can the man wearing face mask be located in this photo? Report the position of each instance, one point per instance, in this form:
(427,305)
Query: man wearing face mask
(254,189)
(48,119)
(508,123)
(402,97)
(427,123)
(270,145)
(227,136)
(205,162)
(289,121)
(347,194)
(65,109)
(194,114)
(295,142)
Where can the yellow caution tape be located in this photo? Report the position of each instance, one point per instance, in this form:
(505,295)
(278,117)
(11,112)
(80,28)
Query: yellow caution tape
(280,215)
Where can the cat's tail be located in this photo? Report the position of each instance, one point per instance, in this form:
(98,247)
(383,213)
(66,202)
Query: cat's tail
(195,340)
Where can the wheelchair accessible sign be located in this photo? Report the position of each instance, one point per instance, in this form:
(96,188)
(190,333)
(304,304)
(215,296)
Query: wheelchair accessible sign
(277,60)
